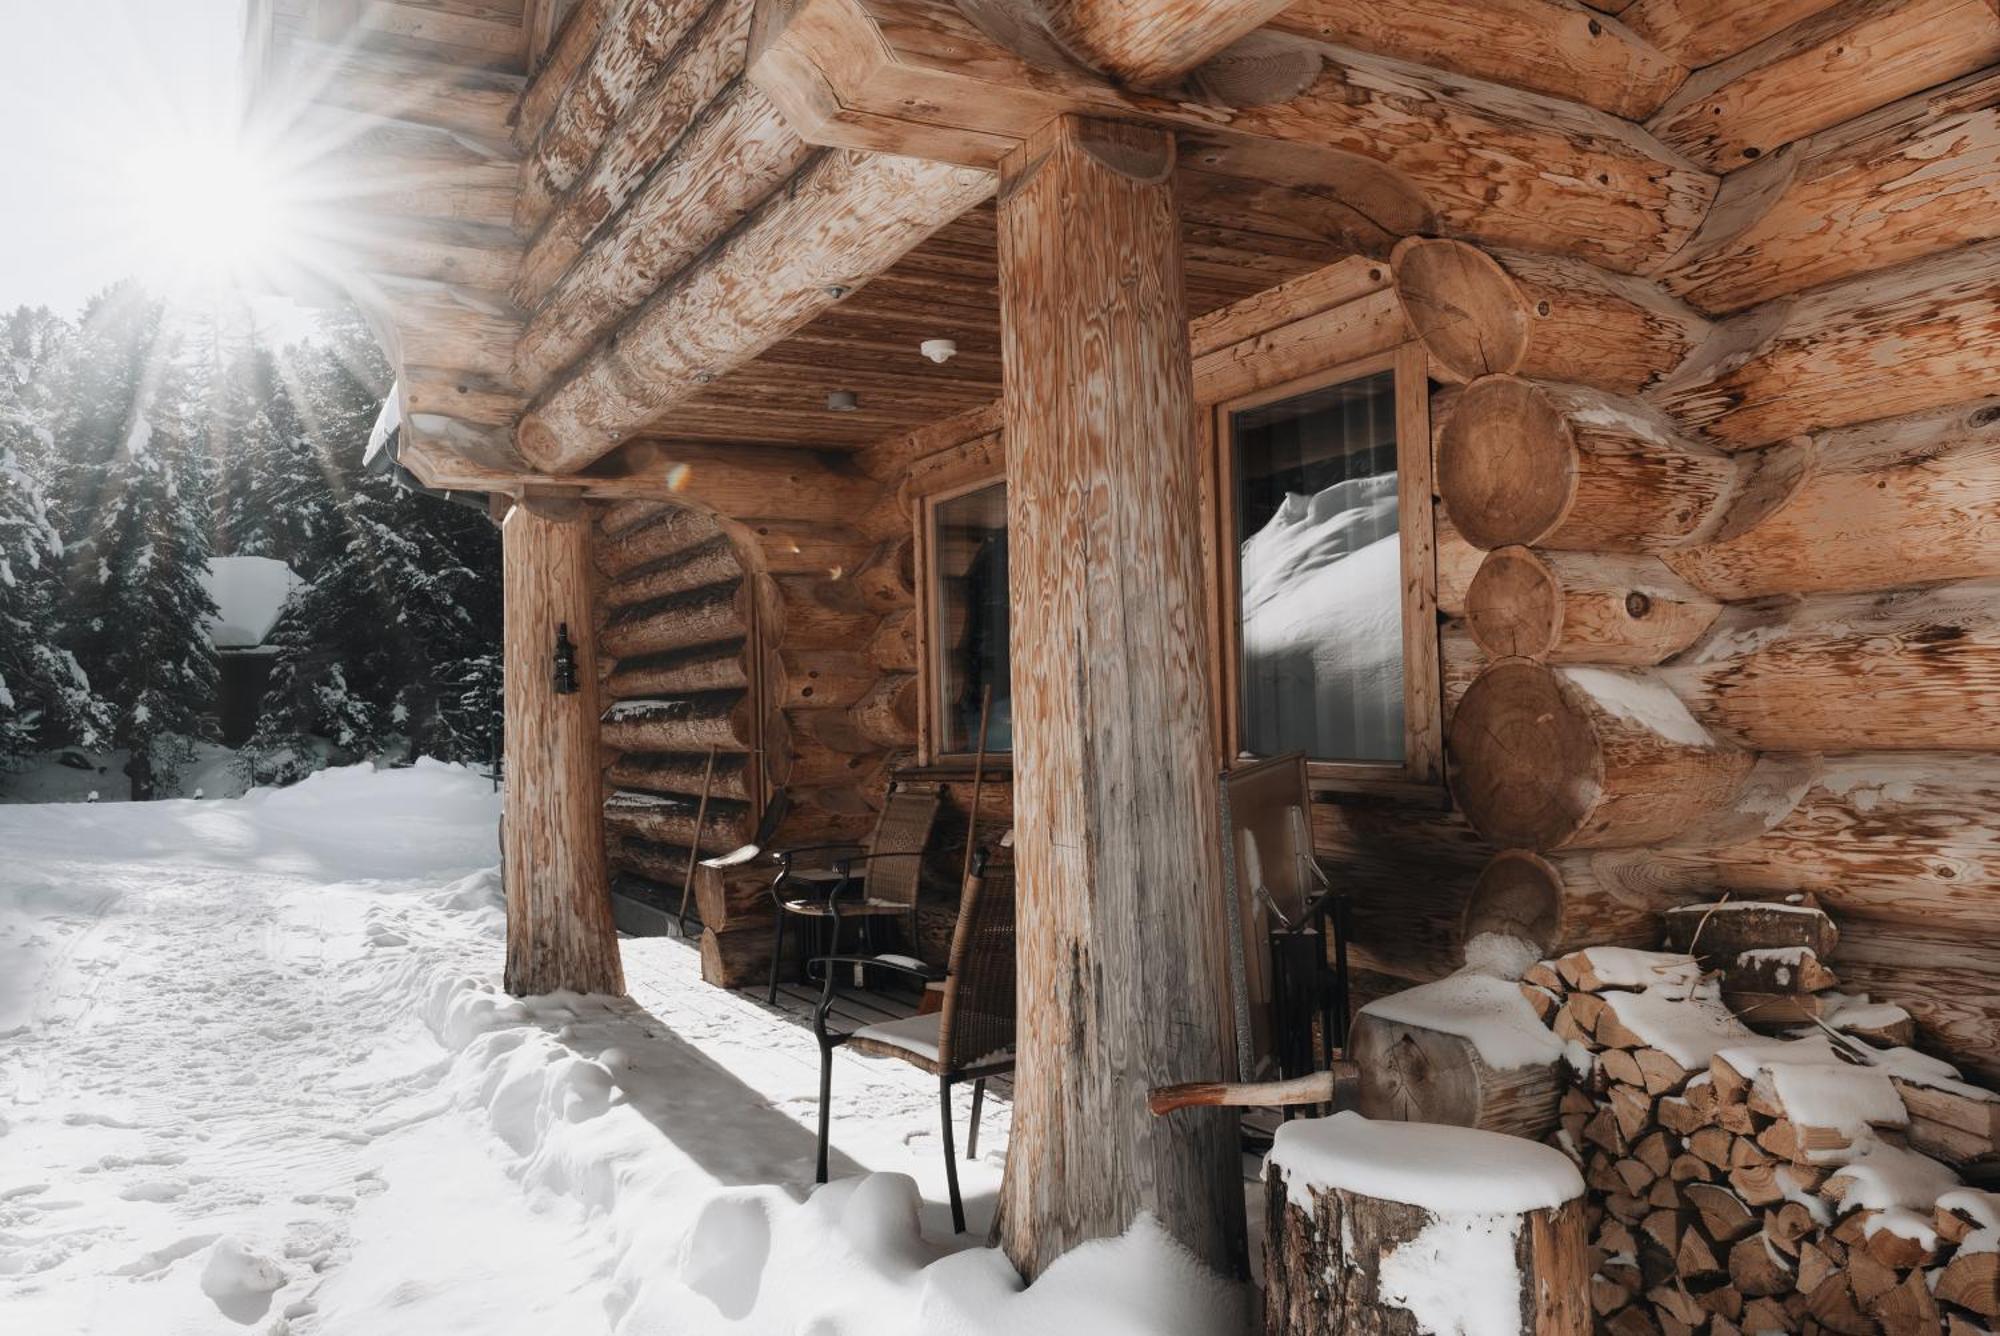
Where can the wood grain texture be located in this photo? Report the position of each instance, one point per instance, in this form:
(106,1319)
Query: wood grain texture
(1572,607)
(1872,506)
(559,929)
(906,76)
(572,46)
(1115,822)
(1518,313)
(1702,32)
(1913,179)
(1523,895)
(1906,340)
(1850,58)
(1415,1074)
(1142,44)
(1547,46)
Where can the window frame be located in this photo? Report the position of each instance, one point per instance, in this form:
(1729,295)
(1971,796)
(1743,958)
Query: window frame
(930,662)
(1420,775)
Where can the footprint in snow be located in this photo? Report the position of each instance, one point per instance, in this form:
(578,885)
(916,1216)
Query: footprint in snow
(158,1191)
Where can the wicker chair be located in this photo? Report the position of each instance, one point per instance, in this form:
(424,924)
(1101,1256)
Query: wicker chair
(970,1039)
(887,885)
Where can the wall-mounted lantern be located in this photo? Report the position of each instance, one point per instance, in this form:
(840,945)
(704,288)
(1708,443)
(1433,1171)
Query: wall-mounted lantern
(565,676)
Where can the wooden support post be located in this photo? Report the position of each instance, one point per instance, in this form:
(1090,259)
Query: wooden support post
(1115,822)
(559,928)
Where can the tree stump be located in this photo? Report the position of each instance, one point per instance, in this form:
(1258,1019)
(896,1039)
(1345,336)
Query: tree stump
(1393,1229)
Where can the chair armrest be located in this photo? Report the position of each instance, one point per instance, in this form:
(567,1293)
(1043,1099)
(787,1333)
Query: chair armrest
(786,855)
(827,1038)
(869,858)
(901,964)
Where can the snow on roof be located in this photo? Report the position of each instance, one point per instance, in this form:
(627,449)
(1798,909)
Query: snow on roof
(249,593)
(386,423)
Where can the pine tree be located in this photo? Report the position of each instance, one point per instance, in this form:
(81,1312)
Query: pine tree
(134,577)
(45,699)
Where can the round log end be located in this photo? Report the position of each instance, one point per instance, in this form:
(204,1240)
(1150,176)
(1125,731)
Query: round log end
(1515,605)
(1519,894)
(1470,315)
(1506,463)
(1527,767)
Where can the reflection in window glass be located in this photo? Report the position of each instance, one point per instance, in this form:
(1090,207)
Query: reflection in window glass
(1320,573)
(969,555)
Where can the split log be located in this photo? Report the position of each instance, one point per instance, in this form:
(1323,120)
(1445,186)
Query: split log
(1918,669)
(1542,45)
(1482,313)
(1520,894)
(649,532)
(1410,1073)
(1554,758)
(720,667)
(1718,933)
(1907,340)
(738,959)
(720,719)
(698,617)
(680,774)
(887,714)
(738,151)
(1870,507)
(1573,607)
(1335,1260)
(1565,467)
(1846,201)
(849,215)
(670,819)
(709,563)
(1849,59)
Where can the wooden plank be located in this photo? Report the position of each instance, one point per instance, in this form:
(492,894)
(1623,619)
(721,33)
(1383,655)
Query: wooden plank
(1115,819)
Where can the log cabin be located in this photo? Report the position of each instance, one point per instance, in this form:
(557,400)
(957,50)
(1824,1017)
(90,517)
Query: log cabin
(1574,426)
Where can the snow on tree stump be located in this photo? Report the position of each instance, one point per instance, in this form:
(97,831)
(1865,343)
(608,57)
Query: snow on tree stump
(1392,1229)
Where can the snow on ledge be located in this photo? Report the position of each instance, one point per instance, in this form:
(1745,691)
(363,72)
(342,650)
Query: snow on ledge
(1444,1170)
(249,594)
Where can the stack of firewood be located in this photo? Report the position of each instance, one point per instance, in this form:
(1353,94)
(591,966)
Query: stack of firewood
(1716,1207)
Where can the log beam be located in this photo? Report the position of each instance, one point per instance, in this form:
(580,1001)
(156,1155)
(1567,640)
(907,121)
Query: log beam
(1575,607)
(559,929)
(843,220)
(1702,32)
(1115,820)
(1144,44)
(905,76)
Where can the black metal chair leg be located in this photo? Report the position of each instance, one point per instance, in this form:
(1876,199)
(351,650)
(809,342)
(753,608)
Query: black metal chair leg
(950,1157)
(972,1131)
(825,1109)
(777,954)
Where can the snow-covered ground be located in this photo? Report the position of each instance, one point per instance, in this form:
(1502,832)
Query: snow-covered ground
(255,1074)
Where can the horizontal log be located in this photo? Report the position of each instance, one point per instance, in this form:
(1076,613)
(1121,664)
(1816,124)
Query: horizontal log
(1846,60)
(827,741)
(887,714)
(1908,340)
(893,647)
(1553,758)
(1546,46)
(709,56)
(378,84)
(662,864)
(811,612)
(737,152)
(397,169)
(461,395)
(1917,669)
(1146,47)
(1369,325)
(708,563)
(1565,467)
(619,518)
(719,719)
(814,764)
(822,678)
(1575,607)
(682,774)
(843,220)
(670,819)
(635,39)
(1545,317)
(779,546)
(741,481)
(1871,507)
(1943,980)
(1913,179)
(571,48)
(1701,32)
(717,667)
(472,36)
(698,617)
(898,76)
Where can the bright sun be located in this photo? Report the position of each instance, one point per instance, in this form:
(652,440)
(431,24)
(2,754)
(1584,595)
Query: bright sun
(209,213)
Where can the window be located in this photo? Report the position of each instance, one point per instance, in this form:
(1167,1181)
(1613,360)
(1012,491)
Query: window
(967,559)
(1331,655)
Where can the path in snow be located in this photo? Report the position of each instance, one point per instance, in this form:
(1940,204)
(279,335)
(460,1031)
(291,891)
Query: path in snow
(255,1074)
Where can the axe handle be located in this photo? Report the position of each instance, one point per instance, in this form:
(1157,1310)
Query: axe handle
(1317,1088)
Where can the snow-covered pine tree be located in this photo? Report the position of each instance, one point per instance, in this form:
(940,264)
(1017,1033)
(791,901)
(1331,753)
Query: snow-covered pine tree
(134,575)
(45,699)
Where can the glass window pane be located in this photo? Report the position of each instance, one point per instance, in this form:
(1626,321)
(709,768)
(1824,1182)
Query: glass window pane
(969,555)
(1320,573)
